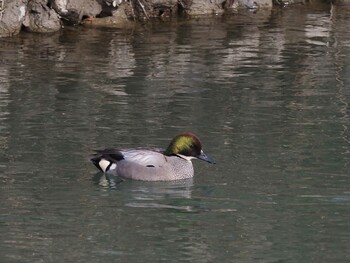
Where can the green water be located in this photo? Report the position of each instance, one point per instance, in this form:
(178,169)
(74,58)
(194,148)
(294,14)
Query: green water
(268,93)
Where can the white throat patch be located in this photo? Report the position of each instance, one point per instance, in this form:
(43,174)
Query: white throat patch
(187,158)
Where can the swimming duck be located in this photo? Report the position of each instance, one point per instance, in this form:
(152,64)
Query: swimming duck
(153,164)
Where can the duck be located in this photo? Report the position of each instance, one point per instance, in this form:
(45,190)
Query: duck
(153,164)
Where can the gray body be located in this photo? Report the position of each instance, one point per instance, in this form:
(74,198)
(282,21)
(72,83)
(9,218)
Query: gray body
(149,165)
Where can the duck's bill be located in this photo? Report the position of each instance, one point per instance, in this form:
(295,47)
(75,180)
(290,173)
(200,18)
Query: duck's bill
(205,157)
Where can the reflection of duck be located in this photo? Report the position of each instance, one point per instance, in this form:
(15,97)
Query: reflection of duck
(142,191)
(153,164)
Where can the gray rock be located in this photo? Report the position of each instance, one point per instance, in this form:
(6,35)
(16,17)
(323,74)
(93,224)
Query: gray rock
(200,7)
(41,18)
(264,3)
(113,3)
(11,17)
(87,8)
(250,4)
(341,3)
(118,19)
(72,12)
(59,5)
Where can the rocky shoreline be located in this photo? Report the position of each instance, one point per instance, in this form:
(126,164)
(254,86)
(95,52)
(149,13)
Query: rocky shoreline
(46,16)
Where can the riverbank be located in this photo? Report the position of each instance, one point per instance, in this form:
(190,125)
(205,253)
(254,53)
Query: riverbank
(45,16)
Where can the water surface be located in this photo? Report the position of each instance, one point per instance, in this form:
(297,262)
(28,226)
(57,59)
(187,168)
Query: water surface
(267,93)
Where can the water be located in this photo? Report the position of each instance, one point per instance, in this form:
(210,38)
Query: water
(267,93)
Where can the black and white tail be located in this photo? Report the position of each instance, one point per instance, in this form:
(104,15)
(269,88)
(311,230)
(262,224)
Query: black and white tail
(106,160)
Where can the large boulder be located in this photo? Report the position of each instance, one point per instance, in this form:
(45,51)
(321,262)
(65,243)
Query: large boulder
(12,15)
(41,18)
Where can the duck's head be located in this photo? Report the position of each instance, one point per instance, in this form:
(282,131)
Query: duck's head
(187,146)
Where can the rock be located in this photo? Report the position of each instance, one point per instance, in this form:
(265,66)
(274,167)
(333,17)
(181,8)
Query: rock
(12,16)
(87,8)
(249,4)
(145,10)
(41,18)
(72,12)
(113,3)
(60,6)
(345,3)
(118,19)
(284,3)
(163,8)
(254,4)
(200,7)
(264,3)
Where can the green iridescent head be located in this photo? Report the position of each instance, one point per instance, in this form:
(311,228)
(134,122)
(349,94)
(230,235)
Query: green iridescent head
(187,145)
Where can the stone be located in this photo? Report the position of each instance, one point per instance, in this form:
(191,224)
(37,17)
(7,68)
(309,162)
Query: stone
(73,11)
(118,19)
(249,4)
(264,3)
(200,7)
(41,18)
(254,4)
(59,5)
(345,3)
(12,16)
(87,8)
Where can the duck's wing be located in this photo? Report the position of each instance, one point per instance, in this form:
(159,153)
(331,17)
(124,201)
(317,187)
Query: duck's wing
(147,157)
